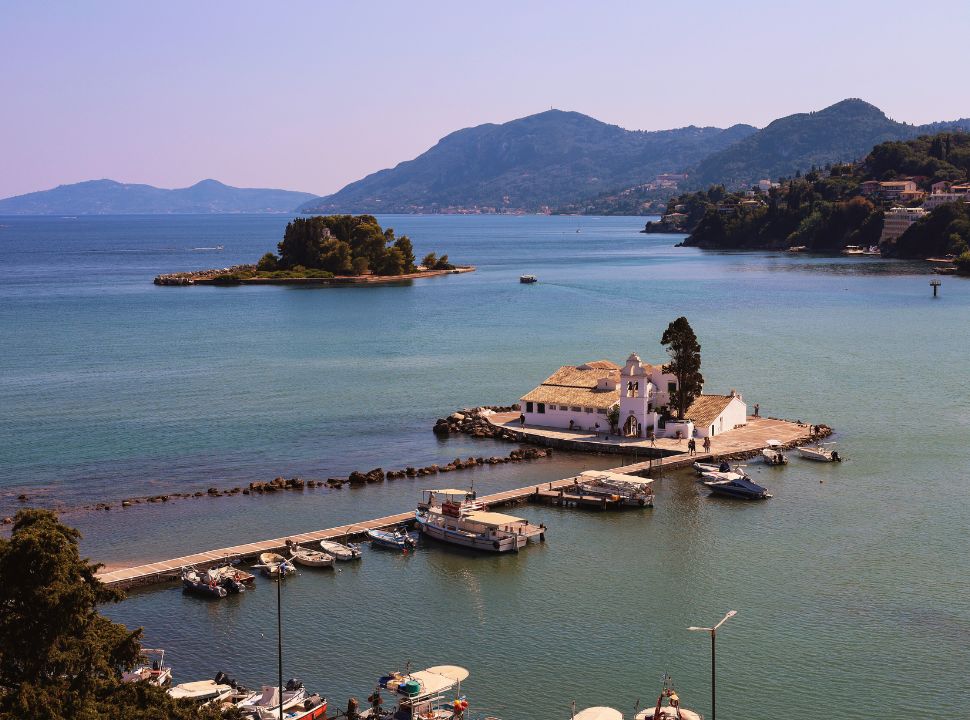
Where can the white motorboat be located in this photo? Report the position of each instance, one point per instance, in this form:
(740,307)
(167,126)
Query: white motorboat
(341,551)
(528,279)
(820,453)
(455,517)
(420,695)
(154,671)
(773,454)
(268,699)
(853,250)
(702,468)
(310,558)
(624,489)
(202,691)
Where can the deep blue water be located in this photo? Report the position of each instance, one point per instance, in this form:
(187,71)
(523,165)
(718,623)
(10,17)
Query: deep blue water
(852,591)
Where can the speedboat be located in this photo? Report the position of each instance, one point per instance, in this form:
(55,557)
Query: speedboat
(455,517)
(392,539)
(623,489)
(528,279)
(274,564)
(341,551)
(739,487)
(420,695)
(154,671)
(202,583)
(702,468)
(314,707)
(773,454)
(820,453)
(310,558)
(853,250)
(268,699)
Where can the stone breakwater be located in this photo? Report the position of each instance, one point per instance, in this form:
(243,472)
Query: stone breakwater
(474,422)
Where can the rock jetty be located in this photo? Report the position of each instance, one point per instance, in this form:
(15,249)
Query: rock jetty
(474,422)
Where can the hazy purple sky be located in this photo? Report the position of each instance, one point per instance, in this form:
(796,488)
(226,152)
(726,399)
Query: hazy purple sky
(313,95)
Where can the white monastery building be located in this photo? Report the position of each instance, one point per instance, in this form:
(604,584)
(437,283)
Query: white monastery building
(580,397)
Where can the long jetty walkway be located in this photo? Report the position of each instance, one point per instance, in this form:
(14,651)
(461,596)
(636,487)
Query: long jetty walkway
(662,456)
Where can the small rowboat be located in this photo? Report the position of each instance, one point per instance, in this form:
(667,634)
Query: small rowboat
(340,551)
(310,558)
(702,468)
(393,540)
(273,564)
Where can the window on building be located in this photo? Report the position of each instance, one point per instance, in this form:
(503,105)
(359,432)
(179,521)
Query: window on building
(589,410)
(542,408)
(528,407)
(552,407)
(576,409)
(601,411)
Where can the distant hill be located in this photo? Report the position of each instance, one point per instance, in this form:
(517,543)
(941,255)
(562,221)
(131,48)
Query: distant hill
(842,132)
(552,159)
(107,197)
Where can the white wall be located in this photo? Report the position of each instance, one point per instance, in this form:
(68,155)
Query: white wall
(560,418)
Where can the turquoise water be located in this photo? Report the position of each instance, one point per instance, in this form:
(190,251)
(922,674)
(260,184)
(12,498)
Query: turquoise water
(851,592)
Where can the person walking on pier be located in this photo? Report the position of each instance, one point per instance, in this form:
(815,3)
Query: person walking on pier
(707,444)
(692,447)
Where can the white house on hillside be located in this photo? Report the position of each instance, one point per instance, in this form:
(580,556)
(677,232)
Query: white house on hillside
(581,397)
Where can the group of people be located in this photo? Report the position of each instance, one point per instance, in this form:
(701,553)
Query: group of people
(692,446)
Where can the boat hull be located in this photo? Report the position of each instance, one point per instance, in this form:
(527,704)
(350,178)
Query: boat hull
(469,540)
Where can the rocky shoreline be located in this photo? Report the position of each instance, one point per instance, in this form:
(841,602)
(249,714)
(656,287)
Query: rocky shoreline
(229,276)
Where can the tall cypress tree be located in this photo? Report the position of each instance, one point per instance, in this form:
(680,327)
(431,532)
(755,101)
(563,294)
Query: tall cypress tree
(685,362)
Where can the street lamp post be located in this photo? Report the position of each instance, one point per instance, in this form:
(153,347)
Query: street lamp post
(713,632)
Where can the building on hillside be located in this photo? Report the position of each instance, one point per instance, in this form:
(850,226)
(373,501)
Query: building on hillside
(897,221)
(898,190)
(934,200)
(960,189)
(580,398)
(940,187)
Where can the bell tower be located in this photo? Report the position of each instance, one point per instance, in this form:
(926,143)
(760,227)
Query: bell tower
(636,395)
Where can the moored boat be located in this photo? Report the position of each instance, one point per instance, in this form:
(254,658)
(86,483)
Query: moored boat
(420,695)
(820,453)
(702,468)
(153,670)
(392,539)
(528,279)
(455,517)
(598,713)
(274,564)
(268,699)
(203,692)
(743,488)
(628,490)
(230,577)
(773,454)
(341,551)
(671,711)
(310,558)
(201,583)
(853,250)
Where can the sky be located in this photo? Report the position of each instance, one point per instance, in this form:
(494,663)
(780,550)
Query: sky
(312,95)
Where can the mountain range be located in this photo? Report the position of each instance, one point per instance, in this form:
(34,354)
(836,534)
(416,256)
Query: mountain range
(556,160)
(107,197)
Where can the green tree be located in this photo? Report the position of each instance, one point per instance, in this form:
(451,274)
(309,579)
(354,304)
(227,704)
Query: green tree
(268,263)
(430,260)
(361,266)
(391,262)
(403,244)
(59,658)
(685,363)
(443,263)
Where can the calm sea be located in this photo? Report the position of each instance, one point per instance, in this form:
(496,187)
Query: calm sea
(851,584)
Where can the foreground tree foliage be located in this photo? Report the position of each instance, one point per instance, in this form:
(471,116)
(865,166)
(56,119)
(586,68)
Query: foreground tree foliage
(685,363)
(59,658)
(343,245)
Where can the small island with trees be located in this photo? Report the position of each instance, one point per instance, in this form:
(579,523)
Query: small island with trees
(329,250)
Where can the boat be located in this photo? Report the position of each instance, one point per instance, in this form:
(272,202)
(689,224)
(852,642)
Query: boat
(420,695)
(528,279)
(204,692)
(598,713)
(820,453)
(773,454)
(392,539)
(671,711)
(743,488)
(341,551)
(201,583)
(797,248)
(702,468)
(310,558)
(853,250)
(153,670)
(230,577)
(267,700)
(872,250)
(313,708)
(724,472)
(274,564)
(454,516)
(623,489)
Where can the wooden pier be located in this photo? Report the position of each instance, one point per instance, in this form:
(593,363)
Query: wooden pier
(748,440)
